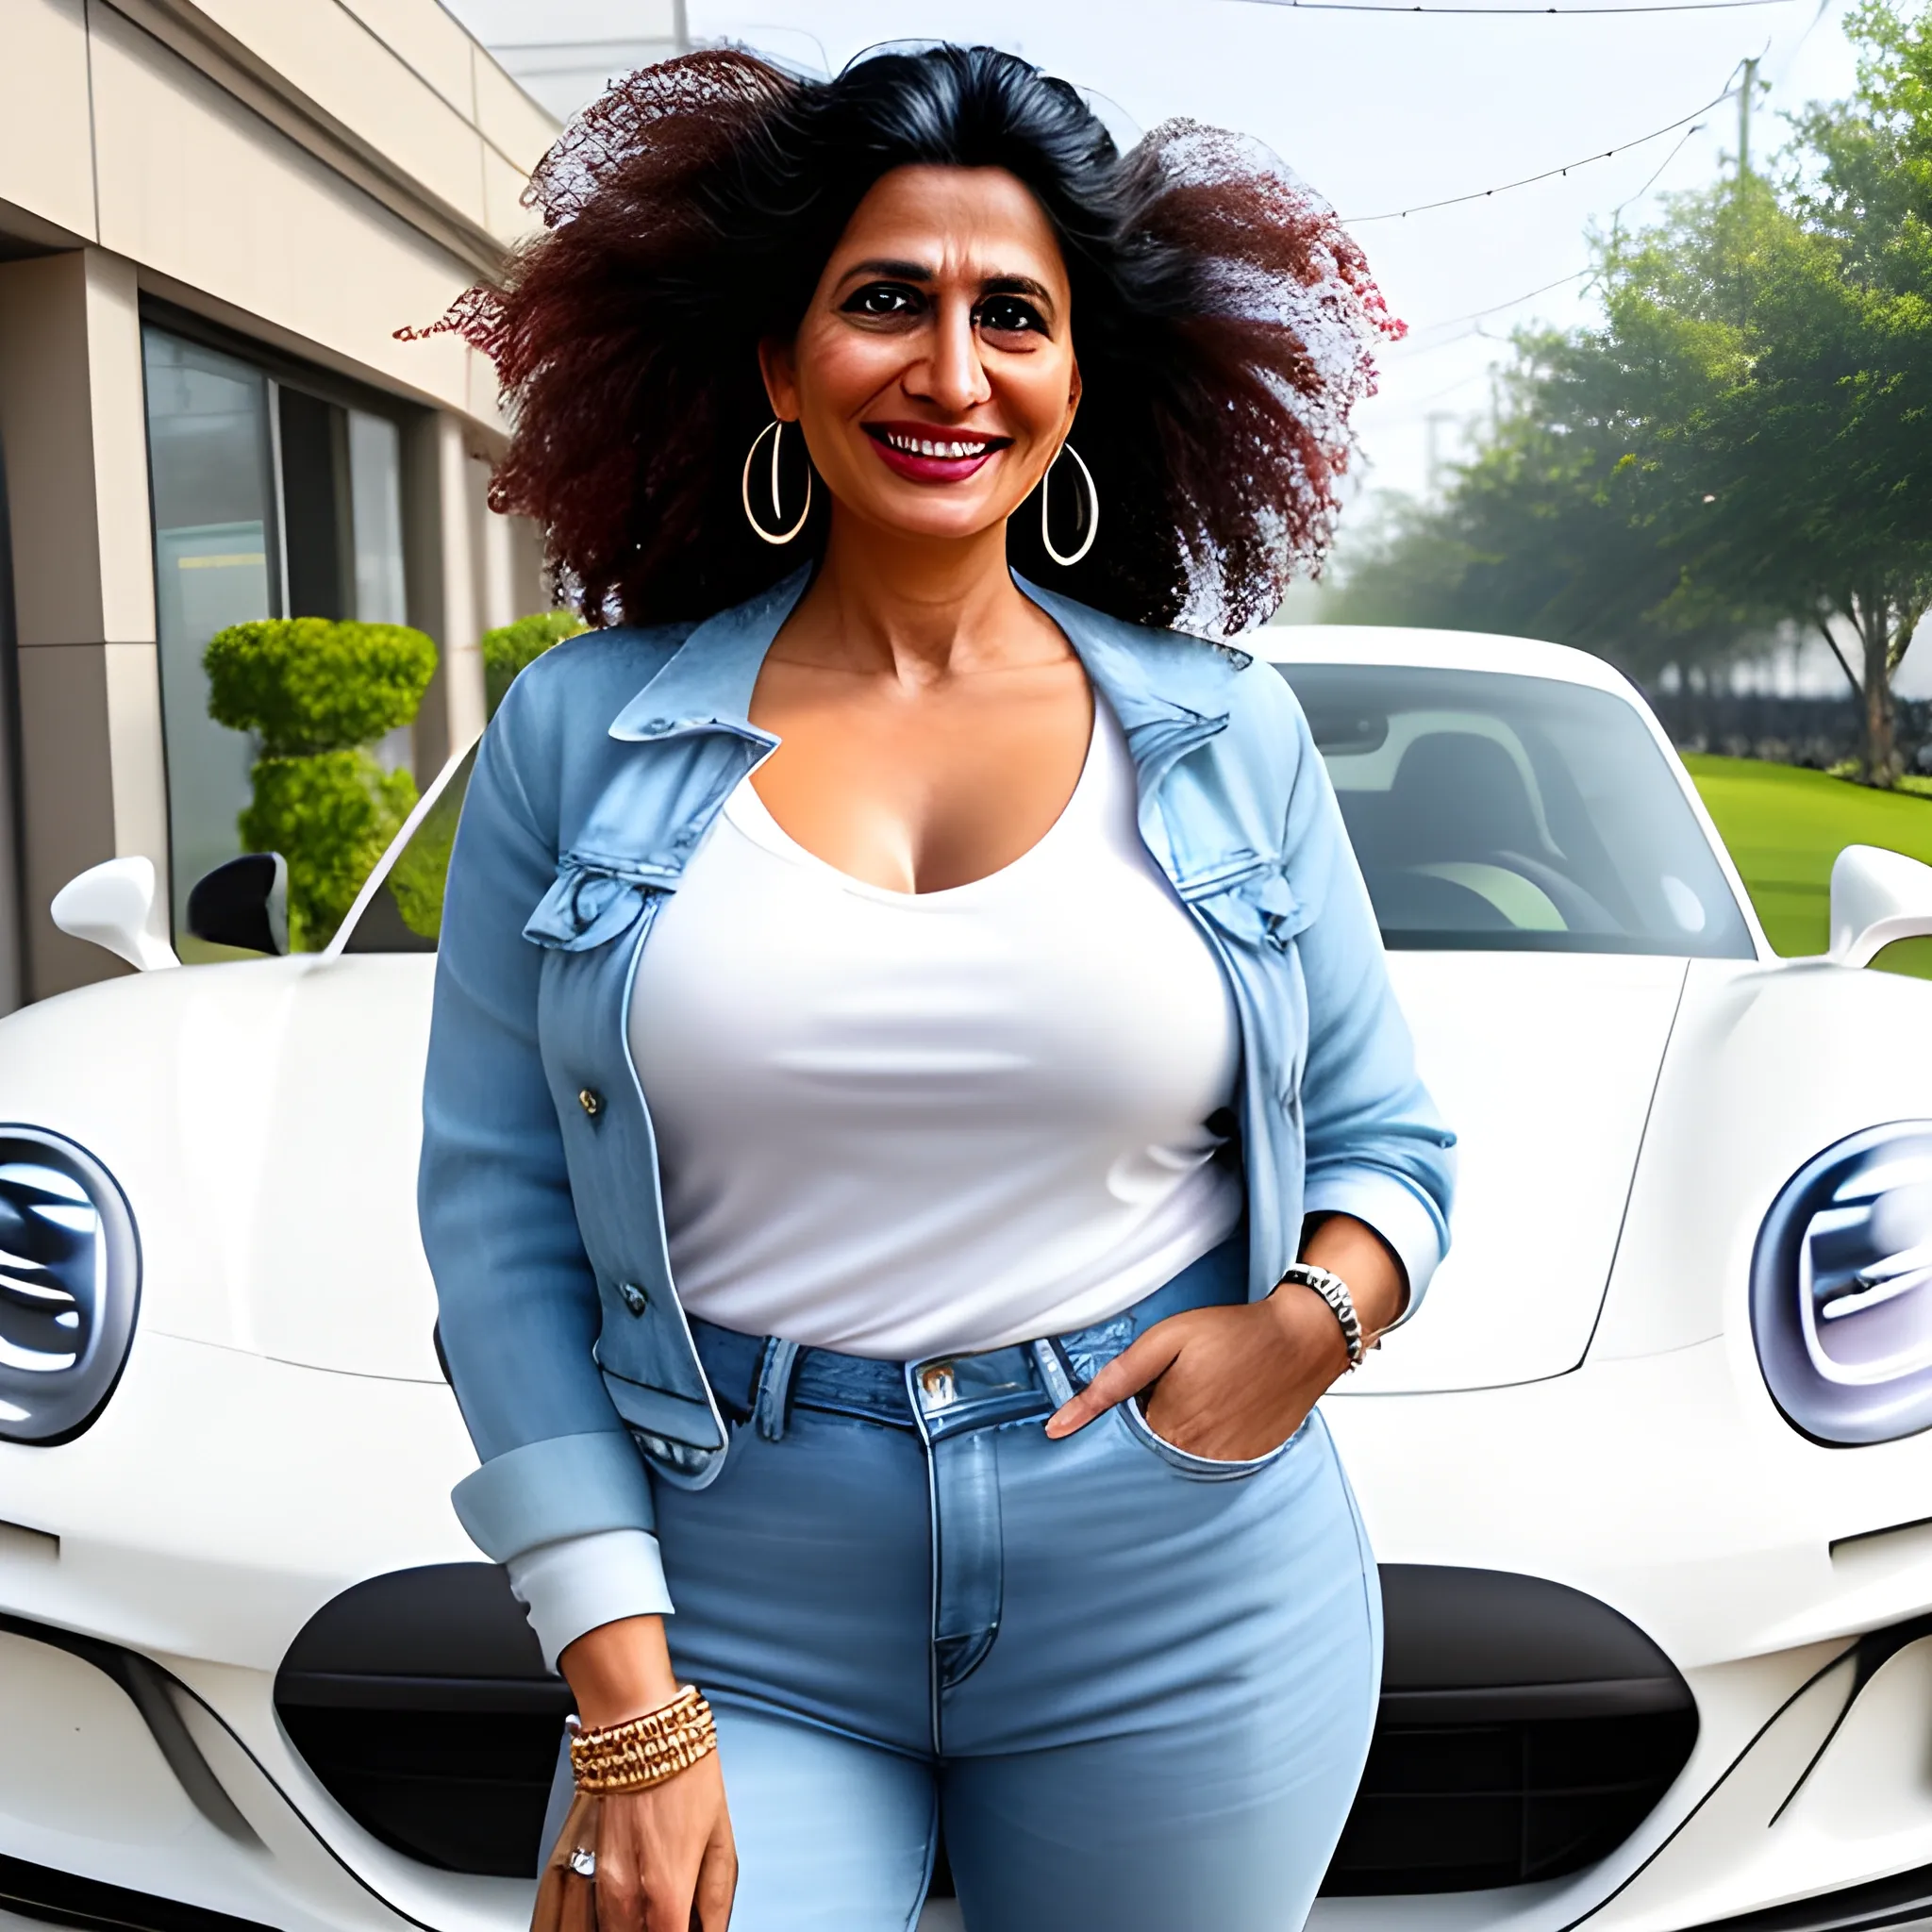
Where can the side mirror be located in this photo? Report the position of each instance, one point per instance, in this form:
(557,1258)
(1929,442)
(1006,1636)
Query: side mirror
(245,903)
(1876,897)
(110,905)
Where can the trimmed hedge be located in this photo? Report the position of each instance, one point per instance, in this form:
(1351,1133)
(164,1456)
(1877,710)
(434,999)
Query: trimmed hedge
(306,684)
(314,694)
(507,651)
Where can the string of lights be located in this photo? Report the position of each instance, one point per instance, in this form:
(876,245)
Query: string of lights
(1398,214)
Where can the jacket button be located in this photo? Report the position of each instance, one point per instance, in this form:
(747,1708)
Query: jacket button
(590,1101)
(633,1297)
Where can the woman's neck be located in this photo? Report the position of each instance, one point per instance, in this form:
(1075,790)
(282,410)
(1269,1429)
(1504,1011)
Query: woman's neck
(916,610)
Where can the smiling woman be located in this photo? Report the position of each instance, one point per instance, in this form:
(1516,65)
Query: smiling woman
(916,1115)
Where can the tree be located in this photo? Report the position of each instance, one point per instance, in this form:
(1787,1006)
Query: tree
(1547,531)
(1760,368)
(1743,441)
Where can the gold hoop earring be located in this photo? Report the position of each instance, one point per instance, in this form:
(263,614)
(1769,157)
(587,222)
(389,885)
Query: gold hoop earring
(776,430)
(1093,510)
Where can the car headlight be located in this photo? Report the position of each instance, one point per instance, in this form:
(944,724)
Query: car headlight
(1842,1289)
(70,1282)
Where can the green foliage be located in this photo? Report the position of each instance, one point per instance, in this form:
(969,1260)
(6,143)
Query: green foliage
(507,651)
(331,814)
(417,878)
(307,684)
(315,693)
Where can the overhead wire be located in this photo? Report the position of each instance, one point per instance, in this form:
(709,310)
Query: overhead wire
(1527,12)
(1397,215)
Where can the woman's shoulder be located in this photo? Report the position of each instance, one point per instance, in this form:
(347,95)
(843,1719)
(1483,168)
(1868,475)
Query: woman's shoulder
(1263,722)
(605,666)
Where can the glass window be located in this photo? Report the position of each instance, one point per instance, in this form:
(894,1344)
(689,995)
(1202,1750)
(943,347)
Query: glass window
(1508,813)
(212,464)
(268,500)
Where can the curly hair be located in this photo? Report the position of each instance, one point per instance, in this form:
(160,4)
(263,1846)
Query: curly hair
(1221,319)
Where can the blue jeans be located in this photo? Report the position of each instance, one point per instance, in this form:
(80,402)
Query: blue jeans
(1135,1686)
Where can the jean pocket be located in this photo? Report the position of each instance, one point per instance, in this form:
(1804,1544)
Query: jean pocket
(1204,1469)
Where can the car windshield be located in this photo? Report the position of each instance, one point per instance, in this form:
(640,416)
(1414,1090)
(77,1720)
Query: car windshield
(1489,811)
(1494,812)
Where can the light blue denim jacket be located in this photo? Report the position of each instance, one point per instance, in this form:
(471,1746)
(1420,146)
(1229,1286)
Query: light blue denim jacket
(539,1192)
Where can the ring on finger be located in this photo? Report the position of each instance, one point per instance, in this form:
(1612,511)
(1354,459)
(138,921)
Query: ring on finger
(584,1862)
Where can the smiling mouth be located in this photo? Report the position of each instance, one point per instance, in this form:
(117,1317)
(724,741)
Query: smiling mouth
(925,457)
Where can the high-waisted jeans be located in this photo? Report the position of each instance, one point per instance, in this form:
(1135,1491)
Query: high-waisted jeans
(1133,1687)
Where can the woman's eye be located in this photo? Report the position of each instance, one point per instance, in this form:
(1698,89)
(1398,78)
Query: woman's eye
(883,299)
(1010,315)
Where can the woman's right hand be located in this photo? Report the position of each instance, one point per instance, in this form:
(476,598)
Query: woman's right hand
(666,1861)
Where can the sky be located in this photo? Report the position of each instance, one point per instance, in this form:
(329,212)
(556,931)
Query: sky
(1378,114)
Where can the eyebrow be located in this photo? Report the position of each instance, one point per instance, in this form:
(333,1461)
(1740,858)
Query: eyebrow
(918,272)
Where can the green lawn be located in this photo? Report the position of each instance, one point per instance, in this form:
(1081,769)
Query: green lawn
(1784,826)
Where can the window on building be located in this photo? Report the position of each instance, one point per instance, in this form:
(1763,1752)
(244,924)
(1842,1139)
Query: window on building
(270,500)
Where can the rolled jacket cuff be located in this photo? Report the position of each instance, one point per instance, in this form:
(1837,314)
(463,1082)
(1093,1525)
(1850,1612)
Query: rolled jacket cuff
(1405,1219)
(585,1582)
(544,1493)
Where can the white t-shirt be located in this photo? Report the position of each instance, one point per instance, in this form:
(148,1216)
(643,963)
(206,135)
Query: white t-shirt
(903,1124)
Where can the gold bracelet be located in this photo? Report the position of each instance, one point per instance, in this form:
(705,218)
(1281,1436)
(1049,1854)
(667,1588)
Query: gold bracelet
(646,1750)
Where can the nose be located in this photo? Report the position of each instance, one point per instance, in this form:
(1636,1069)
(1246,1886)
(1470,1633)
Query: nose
(952,378)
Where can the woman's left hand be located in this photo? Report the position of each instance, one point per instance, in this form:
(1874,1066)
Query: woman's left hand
(1232,1384)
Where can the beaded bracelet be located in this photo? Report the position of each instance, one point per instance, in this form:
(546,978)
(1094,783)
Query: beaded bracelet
(634,1756)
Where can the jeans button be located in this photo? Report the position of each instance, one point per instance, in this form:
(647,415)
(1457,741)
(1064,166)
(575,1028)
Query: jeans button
(590,1101)
(633,1297)
(937,1385)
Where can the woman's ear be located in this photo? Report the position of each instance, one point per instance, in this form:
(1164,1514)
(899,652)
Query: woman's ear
(1073,394)
(779,367)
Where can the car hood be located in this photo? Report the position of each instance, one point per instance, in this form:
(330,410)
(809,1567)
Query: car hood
(1544,1065)
(264,1120)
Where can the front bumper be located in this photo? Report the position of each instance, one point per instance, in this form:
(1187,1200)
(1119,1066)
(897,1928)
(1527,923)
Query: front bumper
(224,1500)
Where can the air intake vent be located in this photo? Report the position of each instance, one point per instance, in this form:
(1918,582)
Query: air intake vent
(1527,1729)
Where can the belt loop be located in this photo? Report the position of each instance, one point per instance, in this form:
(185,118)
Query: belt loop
(1054,1371)
(775,1373)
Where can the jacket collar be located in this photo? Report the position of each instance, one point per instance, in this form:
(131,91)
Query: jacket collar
(1168,692)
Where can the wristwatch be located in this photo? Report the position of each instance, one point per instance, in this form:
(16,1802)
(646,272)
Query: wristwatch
(1334,1291)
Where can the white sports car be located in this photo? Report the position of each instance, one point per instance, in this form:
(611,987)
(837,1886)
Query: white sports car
(1650,1476)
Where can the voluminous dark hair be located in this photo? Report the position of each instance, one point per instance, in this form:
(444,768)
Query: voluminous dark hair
(1222,319)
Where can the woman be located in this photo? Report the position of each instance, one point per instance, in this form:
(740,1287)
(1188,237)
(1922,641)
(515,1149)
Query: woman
(963,993)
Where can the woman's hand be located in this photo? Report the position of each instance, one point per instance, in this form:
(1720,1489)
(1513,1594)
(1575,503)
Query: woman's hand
(666,1862)
(1234,1383)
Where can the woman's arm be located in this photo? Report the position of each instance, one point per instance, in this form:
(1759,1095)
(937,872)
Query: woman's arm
(518,1317)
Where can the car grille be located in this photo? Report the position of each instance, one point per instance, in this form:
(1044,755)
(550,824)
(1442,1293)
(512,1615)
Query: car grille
(1525,1730)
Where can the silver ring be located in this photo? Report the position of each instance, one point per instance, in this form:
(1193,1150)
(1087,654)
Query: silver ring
(584,1864)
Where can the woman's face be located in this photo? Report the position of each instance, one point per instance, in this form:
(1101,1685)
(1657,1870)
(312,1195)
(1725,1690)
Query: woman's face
(934,373)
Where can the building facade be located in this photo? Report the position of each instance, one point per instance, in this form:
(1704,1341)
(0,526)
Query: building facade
(214,217)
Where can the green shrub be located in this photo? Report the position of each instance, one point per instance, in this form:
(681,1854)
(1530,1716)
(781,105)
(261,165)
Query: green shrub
(306,684)
(507,651)
(417,879)
(331,814)
(315,693)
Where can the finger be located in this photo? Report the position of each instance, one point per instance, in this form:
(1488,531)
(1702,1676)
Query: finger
(1128,1373)
(717,1887)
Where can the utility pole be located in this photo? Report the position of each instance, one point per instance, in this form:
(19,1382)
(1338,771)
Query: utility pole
(1744,94)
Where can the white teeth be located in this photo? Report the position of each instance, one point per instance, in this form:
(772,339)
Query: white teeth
(924,446)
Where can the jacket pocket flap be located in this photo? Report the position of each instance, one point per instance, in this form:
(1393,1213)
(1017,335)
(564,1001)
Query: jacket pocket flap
(585,905)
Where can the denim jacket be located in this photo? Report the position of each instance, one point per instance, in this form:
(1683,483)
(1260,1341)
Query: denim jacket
(539,1192)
